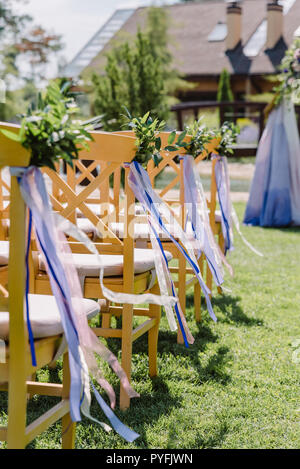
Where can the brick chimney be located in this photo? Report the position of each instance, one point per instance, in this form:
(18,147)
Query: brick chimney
(234,25)
(275,23)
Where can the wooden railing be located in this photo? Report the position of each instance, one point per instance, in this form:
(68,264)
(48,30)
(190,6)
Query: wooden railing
(230,111)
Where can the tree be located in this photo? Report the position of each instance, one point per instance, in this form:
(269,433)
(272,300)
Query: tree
(224,90)
(37,46)
(20,40)
(138,75)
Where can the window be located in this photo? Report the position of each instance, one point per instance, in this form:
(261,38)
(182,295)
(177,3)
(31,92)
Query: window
(297,32)
(257,40)
(219,32)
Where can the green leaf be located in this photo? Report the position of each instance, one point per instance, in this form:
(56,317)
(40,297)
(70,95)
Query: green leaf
(145,118)
(172,137)
(156,159)
(158,143)
(181,137)
(171,148)
(11,135)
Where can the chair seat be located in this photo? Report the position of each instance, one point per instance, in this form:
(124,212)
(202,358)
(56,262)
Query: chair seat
(4,252)
(218,216)
(141,231)
(45,317)
(96,209)
(85,225)
(139,211)
(88,266)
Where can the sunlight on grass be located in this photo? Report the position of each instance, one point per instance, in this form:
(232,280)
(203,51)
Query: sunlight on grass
(237,386)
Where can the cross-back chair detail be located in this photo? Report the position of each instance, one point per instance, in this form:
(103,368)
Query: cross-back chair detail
(17,366)
(130,273)
(170,160)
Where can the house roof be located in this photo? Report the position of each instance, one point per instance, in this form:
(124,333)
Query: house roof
(195,56)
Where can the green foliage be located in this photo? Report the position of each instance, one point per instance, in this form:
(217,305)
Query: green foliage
(138,75)
(224,90)
(290,75)
(236,387)
(148,142)
(227,135)
(34,45)
(49,130)
(17,102)
(201,135)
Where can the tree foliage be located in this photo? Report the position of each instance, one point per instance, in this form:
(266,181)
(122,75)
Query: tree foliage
(224,90)
(49,130)
(138,75)
(21,42)
(37,46)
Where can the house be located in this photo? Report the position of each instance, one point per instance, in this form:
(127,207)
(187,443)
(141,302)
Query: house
(248,38)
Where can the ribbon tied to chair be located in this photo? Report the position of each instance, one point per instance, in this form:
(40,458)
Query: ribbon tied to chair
(158,212)
(83,344)
(228,213)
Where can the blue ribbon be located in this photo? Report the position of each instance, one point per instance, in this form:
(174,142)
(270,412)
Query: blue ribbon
(62,293)
(29,328)
(150,206)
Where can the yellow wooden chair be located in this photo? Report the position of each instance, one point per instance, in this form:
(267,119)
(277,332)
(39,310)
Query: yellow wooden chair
(15,366)
(95,203)
(126,269)
(176,200)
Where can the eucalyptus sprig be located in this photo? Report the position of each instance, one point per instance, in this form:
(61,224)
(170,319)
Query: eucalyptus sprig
(227,136)
(149,143)
(49,130)
(147,132)
(200,136)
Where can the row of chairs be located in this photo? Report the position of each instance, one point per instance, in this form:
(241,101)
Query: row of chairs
(128,261)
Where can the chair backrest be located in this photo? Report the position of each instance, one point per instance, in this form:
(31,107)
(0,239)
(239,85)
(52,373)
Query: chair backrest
(108,154)
(13,154)
(175,171)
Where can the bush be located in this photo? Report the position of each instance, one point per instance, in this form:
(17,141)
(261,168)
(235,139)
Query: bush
(138,76)
(224,91)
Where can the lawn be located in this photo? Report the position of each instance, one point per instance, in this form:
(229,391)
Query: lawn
(237,386)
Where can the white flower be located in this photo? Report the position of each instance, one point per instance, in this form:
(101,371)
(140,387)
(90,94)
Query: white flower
(55,137)
(34,119)
(64,119)
(71,105)
(296,67)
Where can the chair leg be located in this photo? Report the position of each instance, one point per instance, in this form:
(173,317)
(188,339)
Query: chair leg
(17,405)
(154,312)
(127,320)
(197,302)
(209,279)
(197,293)
(221,242)
(68,427)
(31,378)
(106,317)
(181,292)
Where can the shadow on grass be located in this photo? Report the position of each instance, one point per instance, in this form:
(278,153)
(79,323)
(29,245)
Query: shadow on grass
(232,311)
(211,441)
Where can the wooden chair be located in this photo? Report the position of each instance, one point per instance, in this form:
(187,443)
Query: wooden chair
(17,367)
(182,271)
(127,269)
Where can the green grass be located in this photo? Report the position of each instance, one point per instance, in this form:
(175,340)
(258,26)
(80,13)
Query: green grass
(237,386)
